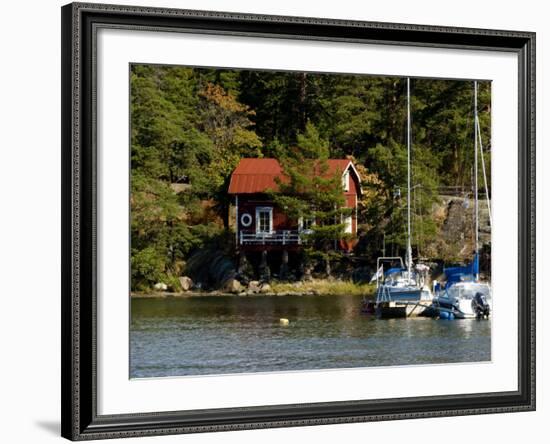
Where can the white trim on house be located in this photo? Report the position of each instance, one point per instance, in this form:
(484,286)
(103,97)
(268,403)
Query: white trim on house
(346,170)
(354,170)
(237,218)
(356,215)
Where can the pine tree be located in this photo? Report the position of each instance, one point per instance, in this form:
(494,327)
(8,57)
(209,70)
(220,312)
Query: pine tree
(311,192)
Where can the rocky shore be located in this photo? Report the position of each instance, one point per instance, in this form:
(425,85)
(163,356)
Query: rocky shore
(320,287)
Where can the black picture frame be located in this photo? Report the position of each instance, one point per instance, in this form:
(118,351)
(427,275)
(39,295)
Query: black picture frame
(79,386)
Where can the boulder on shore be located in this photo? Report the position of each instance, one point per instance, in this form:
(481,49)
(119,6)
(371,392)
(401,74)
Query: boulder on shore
(160,286)
(265,288)
(186,283)
(254,286)
(233,286)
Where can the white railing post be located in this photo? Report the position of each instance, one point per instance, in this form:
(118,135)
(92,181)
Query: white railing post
(284,237)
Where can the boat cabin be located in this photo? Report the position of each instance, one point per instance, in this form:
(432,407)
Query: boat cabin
(260,225)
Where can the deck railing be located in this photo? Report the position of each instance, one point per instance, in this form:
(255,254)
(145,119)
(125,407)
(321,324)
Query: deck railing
(280,237)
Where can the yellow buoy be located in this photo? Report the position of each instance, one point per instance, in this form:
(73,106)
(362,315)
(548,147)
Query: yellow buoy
(284,321)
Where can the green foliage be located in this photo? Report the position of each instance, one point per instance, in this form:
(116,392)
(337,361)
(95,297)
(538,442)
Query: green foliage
(190,127)
(311,191)
(324,288)
(184,130)
(311,145)
(147,267)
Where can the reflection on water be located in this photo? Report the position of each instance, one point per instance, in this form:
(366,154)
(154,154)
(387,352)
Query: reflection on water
(235,334)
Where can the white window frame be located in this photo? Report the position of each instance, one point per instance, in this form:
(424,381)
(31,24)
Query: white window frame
(345,180)
(258,211)
(301,226)
(348,221)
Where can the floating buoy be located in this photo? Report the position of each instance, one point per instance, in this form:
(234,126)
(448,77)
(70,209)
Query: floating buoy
(284,321)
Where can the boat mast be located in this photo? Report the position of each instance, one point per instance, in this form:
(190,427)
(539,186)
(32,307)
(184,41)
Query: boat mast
(409,249)
(476,123)
(487,200)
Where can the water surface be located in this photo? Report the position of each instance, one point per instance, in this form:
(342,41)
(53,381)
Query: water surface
(234,334)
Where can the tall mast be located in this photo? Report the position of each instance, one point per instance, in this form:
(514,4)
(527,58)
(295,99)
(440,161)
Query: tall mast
(409,250)
(476,123)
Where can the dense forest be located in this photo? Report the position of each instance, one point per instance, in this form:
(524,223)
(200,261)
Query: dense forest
(190,127)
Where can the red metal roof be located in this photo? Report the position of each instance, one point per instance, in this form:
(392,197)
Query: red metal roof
(258,175)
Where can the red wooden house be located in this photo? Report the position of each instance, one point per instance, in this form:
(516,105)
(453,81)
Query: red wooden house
(261,225)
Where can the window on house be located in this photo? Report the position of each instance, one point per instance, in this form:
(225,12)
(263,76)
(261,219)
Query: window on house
(345,180)
(264,220)
(348,225)
(305,223)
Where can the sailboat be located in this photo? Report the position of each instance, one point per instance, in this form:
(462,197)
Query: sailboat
(401,290)
(464,294)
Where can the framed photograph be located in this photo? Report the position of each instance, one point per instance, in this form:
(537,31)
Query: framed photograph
(280,221)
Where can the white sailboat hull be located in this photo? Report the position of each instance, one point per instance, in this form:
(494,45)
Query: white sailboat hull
(403,294)
(402,301)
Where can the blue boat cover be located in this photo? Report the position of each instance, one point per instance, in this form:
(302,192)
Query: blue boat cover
(462,273)
(393,270)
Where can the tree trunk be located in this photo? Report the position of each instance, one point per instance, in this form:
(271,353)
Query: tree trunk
(283,272)
(305,269)
(302,99)
(244,269)
(225,214)
(265,272)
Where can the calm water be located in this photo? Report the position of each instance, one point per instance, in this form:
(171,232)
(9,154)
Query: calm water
(219,334)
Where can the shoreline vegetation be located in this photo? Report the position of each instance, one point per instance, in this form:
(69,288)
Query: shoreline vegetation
(316,287)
